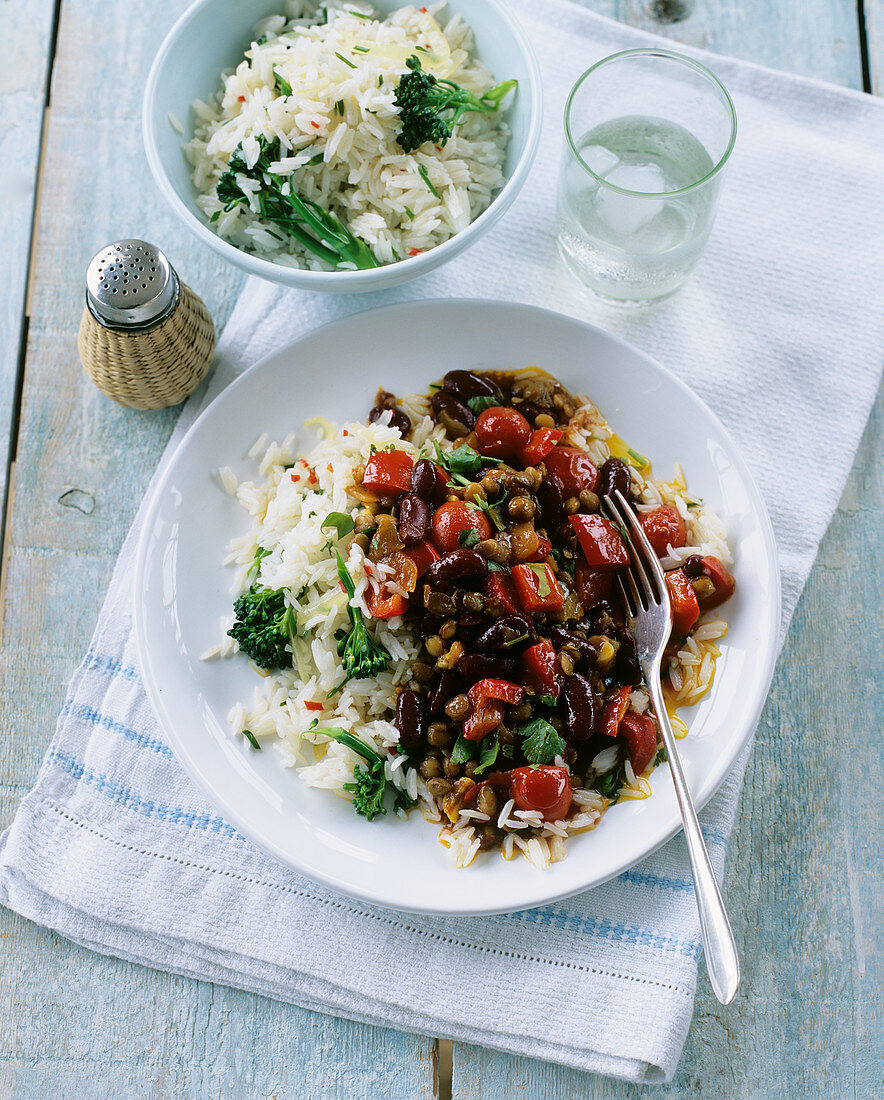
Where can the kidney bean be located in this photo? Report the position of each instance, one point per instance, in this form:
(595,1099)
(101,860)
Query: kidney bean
(414,519)
(425,481)
(450,683)
(693,566)
(581,707)
(503,632)
(551,497)
(458,565)
(411,719)
(464,385)
(562,637)
(627,669)
(614,474)
(399,419)
(477,666)
(443,402)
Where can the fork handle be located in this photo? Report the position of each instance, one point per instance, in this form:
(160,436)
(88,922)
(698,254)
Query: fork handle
(722,960)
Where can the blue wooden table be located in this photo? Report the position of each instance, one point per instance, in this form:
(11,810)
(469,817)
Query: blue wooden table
(804,874)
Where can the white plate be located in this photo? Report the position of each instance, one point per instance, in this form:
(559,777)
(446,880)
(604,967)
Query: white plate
(183,591)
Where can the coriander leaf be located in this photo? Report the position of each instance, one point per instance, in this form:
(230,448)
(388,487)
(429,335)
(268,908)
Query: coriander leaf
(255,568)
(609,784)
(468,537)
(462,460)
(463,751)
(341,522)
(539,571)
(481,402)
(662,756)
(541,742)
(547,700)
(487,753)
(282,85)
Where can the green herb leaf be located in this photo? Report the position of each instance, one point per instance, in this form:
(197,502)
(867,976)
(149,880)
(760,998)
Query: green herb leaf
(488,748)
(468,537)
(410,213)
(463,750)
(313,161)
(341,522)
(380,80)
(515,641)
(346,60)
(637,460)
(339,107)
(361,49)
(425,176)
(661,756)
(282,85)
(547,700)
(482,402)
(255,568)
(541,743)
(359,15)
(609,784)
(252,739)
(539,571)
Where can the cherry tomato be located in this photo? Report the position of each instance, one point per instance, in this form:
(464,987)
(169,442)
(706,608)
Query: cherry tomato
(540,444)
(502,432)
(640,734)
(723,581)
(663,526)
(547,788)
(685,608)
(452,518)
(573,468)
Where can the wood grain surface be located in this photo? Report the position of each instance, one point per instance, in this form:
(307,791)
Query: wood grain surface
(803,882)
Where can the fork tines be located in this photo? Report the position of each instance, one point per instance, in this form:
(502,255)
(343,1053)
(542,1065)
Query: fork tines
(645,565)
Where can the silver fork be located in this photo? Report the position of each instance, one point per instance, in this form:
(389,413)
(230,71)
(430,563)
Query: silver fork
(646,599)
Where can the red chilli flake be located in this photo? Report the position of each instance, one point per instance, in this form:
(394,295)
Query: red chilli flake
(424,10)
(314,124)
(241,98)
(296,478)
(310,705)
(415,251)
(312,479)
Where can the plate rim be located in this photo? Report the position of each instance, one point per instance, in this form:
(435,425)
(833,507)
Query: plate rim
(155,694)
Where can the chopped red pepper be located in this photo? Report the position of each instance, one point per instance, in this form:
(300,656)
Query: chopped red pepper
(385,605)
(544,549)
(539,445)
(593,585)
(241,98)
(312,479)
(615,710)
(528,583)
(639,731)
(486,697)
(541,671)
(423,555)
(601,542)
(685,609)
(310,705)
(388,472)
(499,586)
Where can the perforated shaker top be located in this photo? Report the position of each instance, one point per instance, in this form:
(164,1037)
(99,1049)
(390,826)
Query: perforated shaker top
(130,284)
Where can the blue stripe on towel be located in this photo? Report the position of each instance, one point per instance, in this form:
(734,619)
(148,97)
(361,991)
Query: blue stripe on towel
(663,882)
(88,714)
(98,662)
(610,930)
(131,800)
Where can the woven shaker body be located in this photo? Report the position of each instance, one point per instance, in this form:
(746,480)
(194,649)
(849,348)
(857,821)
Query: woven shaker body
(146,339)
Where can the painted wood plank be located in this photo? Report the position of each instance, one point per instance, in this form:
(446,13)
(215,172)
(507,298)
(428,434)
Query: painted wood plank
(801,881)
(873,11)
(76,1024)
(27,31)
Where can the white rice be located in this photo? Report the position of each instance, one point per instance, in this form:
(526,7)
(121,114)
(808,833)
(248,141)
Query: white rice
(350,65)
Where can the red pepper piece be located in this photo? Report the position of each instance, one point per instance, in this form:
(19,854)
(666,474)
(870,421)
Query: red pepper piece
(482,720)
(499,586)
(639,731)
(486,697)
(539,445)
(541,671)
(593,585)
(614,711)
(601,542)
(544,549)
(528,583)
(423,555)
(721,578)
(685,609)
(388,472)
(385,605)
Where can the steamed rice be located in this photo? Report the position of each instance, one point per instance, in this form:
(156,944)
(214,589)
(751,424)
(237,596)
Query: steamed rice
(343,75)
(287,506)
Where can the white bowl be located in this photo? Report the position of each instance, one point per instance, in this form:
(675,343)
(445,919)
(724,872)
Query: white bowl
(183,591)
(212,35)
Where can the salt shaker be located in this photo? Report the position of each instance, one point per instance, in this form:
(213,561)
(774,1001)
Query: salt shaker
(146,340)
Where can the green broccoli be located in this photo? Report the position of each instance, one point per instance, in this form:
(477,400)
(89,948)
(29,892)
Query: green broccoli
(422,97)
(264,625)
(360,654)
(370,784)
(328,237)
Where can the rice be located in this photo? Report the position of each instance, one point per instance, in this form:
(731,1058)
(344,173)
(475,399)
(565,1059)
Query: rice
(338,130)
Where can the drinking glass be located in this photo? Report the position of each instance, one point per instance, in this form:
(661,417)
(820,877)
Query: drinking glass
(647,135)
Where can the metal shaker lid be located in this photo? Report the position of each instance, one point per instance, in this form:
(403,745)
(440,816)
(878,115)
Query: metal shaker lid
(131,285)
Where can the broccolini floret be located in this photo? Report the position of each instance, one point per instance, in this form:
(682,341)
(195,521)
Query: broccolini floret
(317,229)
(264,625)
(422,98)
(360,654)
(369,784)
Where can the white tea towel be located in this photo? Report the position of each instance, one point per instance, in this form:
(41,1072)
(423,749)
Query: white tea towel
(780,330)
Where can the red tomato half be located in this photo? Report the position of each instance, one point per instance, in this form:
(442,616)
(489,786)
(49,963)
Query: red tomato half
(640,734)
(573,468)
(685,609)
(723,581)
(452,518)
(547,788)
(663,526)
(502,432)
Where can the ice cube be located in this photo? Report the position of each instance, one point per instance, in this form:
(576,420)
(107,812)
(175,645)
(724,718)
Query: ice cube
(626,214)
(599,159)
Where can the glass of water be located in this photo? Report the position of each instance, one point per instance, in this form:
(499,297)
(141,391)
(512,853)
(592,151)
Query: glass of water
(647,134)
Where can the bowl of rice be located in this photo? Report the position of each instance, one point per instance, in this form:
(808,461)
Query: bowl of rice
(342,146)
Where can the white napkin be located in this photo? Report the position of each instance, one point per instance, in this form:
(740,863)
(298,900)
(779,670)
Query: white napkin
(780,330)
